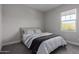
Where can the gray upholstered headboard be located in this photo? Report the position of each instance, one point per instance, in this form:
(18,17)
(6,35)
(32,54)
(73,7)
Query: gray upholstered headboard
(27,28)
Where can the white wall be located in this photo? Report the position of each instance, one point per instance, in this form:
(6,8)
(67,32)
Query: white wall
(53,22)
(0,25)
(16,16)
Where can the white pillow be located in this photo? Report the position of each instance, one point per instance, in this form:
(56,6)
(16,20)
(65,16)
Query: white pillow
(38,31)
(29,31)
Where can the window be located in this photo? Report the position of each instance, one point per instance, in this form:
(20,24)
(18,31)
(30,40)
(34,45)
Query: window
(68,20)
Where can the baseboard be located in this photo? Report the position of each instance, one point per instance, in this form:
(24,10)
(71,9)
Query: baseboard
(74,43)
(9,43)
(70,42)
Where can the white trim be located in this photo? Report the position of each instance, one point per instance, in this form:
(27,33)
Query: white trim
(70,42)
(8,43)
(74,43)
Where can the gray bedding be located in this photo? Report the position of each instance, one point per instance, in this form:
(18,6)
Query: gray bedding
(46,46)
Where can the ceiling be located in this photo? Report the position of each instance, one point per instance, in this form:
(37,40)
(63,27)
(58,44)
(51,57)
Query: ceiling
(43,7)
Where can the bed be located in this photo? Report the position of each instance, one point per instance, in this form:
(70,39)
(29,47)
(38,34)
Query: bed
(41,42)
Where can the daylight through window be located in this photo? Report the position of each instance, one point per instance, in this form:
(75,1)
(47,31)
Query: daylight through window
(68,20)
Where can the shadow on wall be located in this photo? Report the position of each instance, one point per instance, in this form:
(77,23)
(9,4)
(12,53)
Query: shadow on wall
(13,39)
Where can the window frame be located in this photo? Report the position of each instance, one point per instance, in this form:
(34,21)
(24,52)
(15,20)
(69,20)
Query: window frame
(62,21)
